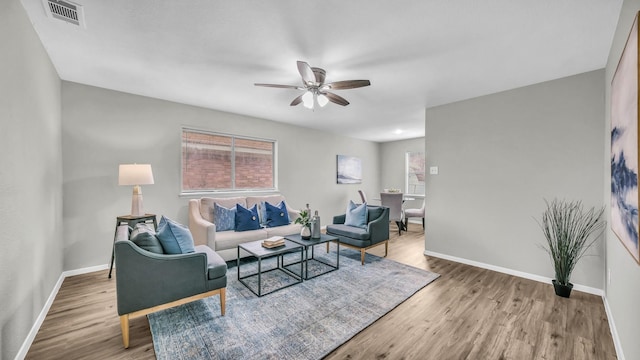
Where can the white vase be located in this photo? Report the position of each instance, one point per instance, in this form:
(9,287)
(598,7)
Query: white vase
(305,233)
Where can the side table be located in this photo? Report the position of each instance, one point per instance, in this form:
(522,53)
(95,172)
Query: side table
(255,249)
(311,243)
(131,221)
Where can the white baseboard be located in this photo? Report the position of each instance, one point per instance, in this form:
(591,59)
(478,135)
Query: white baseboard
(22,353)
(86,270)
(522,274)
(614,331)
(24,349)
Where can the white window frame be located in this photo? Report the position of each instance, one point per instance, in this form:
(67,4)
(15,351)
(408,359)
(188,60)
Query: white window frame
(406,174)
(232,190)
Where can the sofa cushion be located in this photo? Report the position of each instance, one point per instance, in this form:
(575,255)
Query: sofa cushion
(276,215)
(348,231)
(284,230)
(174,237)
(148,241)
(207,208)
(224,218)
(231,239)
(216,266)
(247,219)
(356,215)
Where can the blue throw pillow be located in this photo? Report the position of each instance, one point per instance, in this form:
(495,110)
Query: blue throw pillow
(174,237)
(277,215)
(247,219)
(356,215)
(225,219)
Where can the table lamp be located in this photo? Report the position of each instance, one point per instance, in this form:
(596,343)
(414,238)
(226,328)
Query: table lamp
(136,175)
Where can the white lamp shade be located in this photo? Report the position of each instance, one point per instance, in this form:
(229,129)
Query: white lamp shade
(322,100)
(135,174)
(307,100)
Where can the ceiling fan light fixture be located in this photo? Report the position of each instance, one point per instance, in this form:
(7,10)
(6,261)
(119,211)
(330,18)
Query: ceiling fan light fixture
(307,100)
(322,100)
(313,80)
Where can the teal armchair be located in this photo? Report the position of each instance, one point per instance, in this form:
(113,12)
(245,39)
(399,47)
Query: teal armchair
(147,282)
(375,233)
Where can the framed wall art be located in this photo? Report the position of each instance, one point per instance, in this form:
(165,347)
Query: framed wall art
(349,170)
(624,146)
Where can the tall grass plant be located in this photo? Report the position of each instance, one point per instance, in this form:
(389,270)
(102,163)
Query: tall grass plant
(570,231)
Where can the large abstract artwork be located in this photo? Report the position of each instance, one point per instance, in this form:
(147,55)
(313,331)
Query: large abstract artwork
(349,170)
(624,146)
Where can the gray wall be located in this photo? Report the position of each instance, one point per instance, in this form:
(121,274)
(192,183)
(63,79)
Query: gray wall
(499,156)
(103,128)
(30,178)
(392,165)
(623,293)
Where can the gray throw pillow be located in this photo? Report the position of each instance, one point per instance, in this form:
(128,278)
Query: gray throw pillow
(142,227)
(148,241)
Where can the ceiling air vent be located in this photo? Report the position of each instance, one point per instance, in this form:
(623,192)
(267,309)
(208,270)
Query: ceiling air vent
(65,11)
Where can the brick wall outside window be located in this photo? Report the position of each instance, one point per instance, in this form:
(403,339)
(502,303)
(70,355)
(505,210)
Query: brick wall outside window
(207,162)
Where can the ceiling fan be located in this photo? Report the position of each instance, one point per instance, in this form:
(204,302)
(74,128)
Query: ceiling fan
(315,89)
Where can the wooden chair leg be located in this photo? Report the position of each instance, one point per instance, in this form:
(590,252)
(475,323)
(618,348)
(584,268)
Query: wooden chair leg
(422,223)
(124,326)
(362,256)
(327,247)
(386,248)
(223,300)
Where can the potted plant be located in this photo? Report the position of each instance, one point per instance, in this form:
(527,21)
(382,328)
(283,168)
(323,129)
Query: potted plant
(569,232)
(305,220)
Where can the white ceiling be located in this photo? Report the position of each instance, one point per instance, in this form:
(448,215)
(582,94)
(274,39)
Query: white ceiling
(417,54)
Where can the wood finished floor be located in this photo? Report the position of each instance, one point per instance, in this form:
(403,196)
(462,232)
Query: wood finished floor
(468,313)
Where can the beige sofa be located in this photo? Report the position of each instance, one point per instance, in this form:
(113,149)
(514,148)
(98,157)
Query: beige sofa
(225,243)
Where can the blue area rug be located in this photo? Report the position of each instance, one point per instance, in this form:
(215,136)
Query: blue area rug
(303,321)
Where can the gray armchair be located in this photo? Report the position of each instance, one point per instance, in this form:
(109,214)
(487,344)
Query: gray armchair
(147,282)
(376,233)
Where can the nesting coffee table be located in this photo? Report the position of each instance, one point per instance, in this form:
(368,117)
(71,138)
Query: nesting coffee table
(311,243)
(255,249)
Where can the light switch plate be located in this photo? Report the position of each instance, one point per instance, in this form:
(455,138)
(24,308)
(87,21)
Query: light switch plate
(433,170)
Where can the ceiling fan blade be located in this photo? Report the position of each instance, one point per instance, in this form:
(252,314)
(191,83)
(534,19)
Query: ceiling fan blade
(297,100)
(346,84)
(336,99)
(280,86)
(308,77)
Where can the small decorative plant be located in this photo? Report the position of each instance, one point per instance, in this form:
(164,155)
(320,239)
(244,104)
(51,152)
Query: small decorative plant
(304,219)
(568,230)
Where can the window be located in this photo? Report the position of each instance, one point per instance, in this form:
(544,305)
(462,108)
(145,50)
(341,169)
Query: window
(220,162)
(414,174)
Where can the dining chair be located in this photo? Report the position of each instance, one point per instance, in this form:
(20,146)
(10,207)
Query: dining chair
(363,196)
(394,202)
(419,213)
